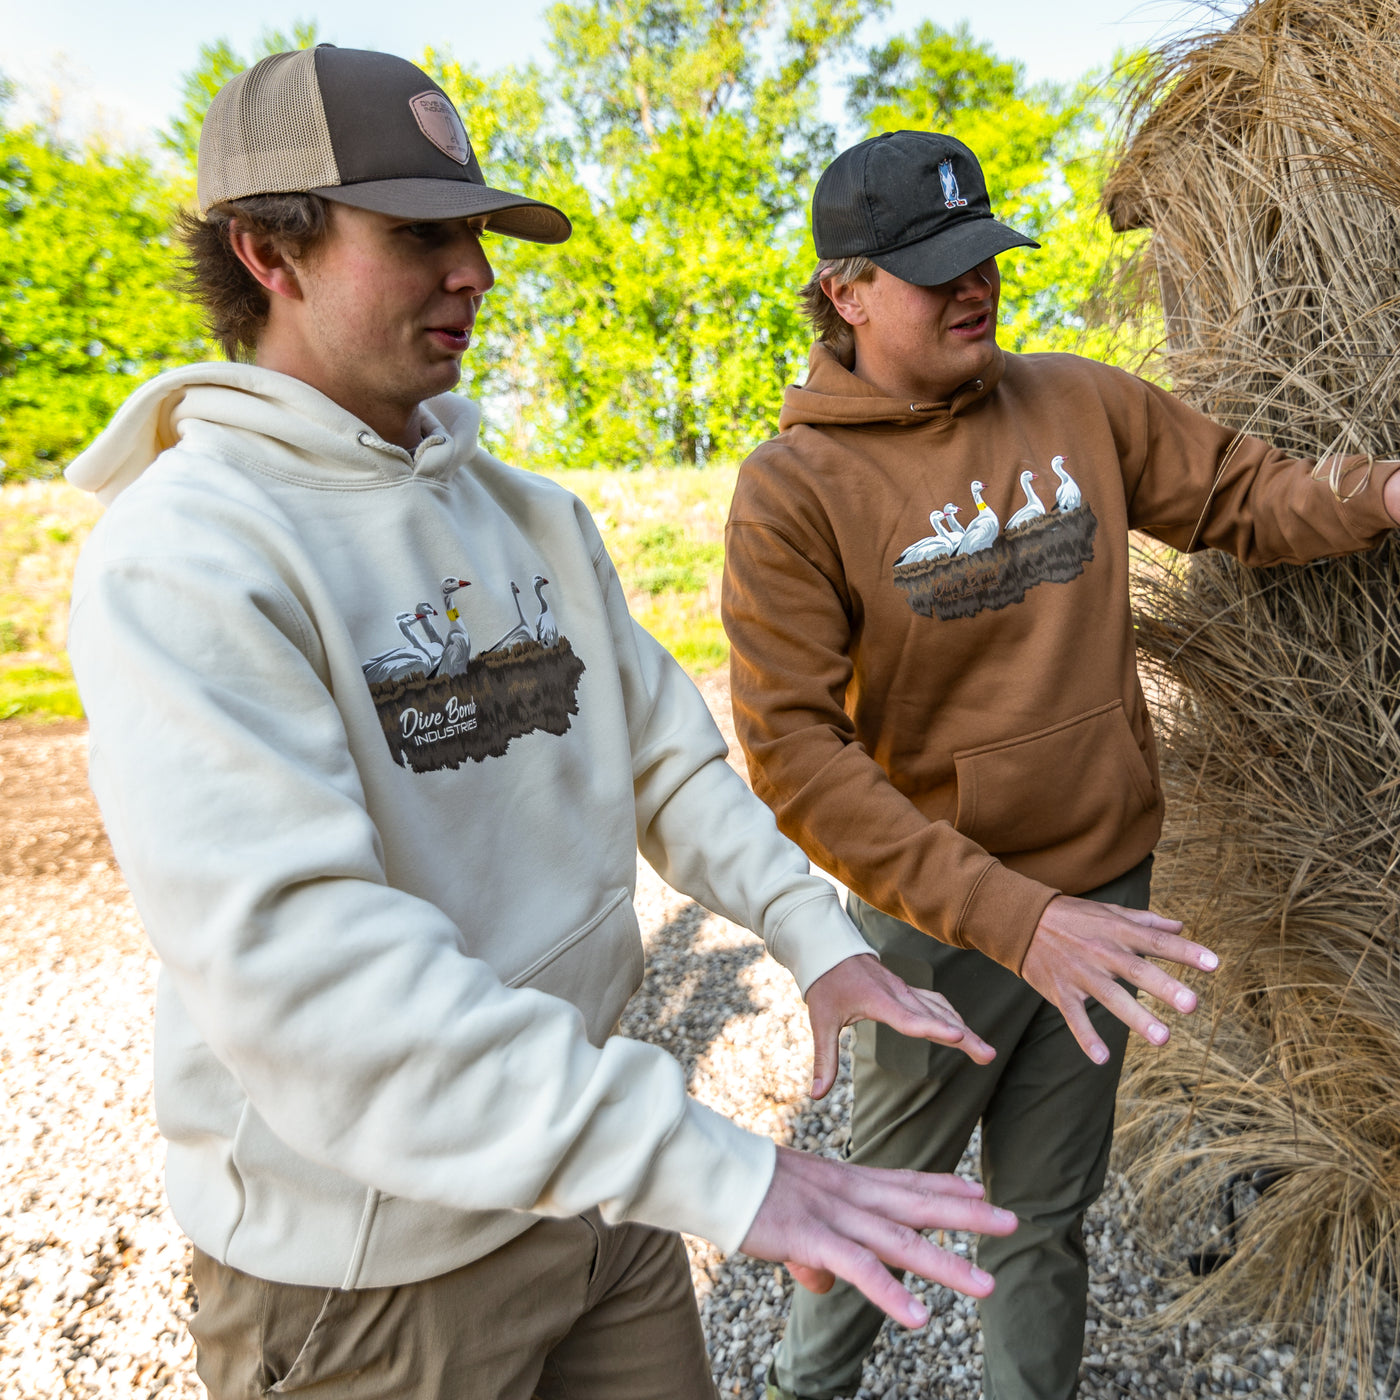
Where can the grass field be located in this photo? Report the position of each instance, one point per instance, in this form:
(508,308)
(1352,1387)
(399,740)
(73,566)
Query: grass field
(664,528)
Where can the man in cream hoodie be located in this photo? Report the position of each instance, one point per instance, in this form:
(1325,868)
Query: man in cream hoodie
(382,826)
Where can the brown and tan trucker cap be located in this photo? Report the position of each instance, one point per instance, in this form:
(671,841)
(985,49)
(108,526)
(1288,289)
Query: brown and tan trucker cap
(360,128)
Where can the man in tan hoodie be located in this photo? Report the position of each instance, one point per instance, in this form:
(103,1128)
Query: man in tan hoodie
(945,713)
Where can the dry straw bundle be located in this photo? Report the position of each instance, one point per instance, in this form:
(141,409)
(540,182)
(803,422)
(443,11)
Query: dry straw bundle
(1265,157)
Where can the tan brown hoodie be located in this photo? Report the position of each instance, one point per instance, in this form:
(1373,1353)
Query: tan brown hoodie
(958,737)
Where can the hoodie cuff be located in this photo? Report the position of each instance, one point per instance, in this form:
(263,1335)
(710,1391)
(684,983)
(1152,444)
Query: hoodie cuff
(709,1179)
(1001,914)
(809,933)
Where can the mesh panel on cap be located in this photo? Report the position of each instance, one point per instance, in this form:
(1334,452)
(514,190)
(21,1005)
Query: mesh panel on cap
(266,133)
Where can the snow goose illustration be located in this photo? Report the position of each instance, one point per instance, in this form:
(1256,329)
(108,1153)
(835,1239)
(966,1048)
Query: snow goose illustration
(425,611)
(546,629)
(1067,496)
(1033,509)
(520,632)
(932,546)
(457,648)
(982,529)
(401,662)
(950,519)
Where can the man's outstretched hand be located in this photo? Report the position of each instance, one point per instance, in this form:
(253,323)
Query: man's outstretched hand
(864,989)
(827,1220)
(1080,950)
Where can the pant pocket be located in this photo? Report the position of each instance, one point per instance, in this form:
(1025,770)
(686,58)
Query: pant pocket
(292,1318)
(349,1340)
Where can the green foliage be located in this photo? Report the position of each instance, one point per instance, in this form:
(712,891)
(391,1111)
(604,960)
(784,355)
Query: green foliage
(668,560)
(664,528)
(42,526)
(665,329)
(39,691)
(683,137)
(88,305)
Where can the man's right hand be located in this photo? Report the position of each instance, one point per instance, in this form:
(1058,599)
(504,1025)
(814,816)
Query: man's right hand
(827,1220)
(1082,948)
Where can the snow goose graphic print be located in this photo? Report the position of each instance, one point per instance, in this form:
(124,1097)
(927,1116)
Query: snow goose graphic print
(442,704)
(953,574)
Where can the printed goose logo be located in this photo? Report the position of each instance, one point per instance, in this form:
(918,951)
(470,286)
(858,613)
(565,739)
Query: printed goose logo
(951,198)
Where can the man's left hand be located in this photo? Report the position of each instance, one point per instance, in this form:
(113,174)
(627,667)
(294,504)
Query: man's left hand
(864,989)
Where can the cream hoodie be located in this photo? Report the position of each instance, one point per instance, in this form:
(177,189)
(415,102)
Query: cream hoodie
(376,741)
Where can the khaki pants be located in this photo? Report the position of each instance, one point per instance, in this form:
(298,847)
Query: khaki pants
(1047,1125)
(573,1309)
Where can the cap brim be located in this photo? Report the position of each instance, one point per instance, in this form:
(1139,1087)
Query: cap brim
(950,253)
(511,214)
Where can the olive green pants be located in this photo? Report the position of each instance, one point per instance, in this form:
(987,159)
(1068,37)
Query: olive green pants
(573,1309)
(1047,1124)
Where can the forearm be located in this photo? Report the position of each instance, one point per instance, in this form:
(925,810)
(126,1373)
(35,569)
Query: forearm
(1198,484)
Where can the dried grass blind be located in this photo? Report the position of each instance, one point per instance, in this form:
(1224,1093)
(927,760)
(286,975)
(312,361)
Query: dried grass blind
(1266,160)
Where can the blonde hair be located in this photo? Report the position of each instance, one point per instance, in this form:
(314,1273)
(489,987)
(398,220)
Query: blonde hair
(817,307)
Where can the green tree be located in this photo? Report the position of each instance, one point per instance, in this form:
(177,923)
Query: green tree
(88,307)
(1043,149)
(664,331)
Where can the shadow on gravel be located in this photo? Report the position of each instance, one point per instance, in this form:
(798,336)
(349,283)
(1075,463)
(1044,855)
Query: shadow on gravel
(690,993)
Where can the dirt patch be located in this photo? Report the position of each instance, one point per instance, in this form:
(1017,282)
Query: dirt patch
(49,823)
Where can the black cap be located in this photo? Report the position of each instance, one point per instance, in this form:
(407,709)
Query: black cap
(357,127)
(915,203)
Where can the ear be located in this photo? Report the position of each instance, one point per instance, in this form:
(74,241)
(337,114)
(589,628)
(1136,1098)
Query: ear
(847,299)
(265,261)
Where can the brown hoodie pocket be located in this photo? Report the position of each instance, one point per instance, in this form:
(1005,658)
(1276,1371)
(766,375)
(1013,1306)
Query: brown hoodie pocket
(1043,789)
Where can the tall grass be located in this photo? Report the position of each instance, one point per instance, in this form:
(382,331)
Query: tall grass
(42,527)
(664,528)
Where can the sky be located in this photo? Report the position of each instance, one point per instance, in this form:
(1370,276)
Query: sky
(116,66)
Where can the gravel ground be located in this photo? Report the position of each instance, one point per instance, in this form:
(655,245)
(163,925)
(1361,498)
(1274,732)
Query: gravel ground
(94,1287)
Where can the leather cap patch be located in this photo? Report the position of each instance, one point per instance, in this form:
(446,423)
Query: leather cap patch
(438,120)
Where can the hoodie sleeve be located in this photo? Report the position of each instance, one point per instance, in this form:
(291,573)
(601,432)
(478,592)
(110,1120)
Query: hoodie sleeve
(698,824)
(346,1010)
(1195,484)
(791,639)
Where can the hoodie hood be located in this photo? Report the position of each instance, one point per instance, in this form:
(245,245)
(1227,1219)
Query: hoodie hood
(320,436)
(834,397)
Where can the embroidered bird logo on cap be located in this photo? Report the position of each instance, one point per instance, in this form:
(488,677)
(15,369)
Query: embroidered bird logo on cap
(951,198)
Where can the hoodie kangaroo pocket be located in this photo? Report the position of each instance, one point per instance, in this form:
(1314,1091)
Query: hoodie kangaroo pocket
(596,968)
(1054,786)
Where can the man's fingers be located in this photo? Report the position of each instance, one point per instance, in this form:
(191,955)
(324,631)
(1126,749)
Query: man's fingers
(927,1016)
(827,1218)
(1171,948)
(903,1247)
(826,1057)
(1161,938)
(1082,1028)
(1159,983)
(1133,1014)
(813,1280)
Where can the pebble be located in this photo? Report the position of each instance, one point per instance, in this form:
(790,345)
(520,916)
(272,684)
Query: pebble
(94,1273)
